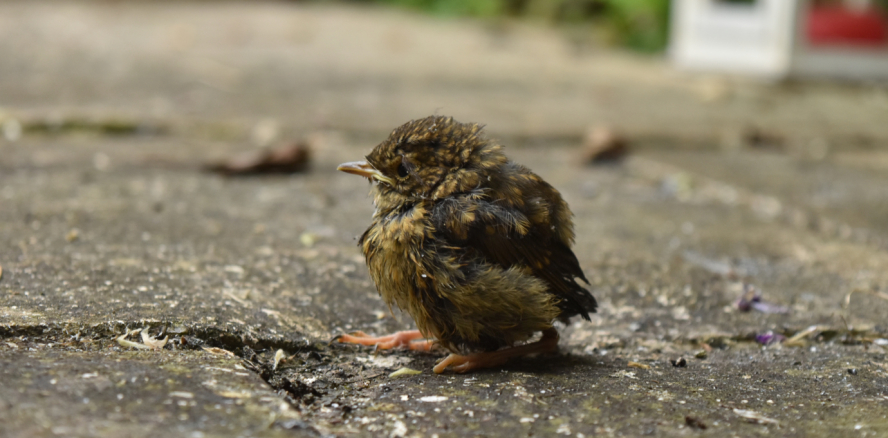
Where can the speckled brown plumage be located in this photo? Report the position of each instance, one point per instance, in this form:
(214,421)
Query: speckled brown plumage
(476,248)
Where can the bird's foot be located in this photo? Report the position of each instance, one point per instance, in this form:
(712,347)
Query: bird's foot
(464,363)
(413,340)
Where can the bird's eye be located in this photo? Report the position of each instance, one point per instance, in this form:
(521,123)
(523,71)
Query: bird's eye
(402,170)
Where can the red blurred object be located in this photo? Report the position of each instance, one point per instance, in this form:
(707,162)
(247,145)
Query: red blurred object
(830,25)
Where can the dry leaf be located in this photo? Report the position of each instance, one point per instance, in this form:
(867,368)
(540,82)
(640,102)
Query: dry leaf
(796,340)
(153,342)
(130,344)
(150,343)
(755,417)
(881,295)
(288,159)
(218,351)
(403,372)
(278,357)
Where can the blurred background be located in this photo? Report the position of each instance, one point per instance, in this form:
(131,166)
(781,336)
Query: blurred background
(680,73)
(296,85)
(688,71)
(725,160)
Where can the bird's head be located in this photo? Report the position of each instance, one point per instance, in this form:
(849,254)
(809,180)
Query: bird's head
(429,158)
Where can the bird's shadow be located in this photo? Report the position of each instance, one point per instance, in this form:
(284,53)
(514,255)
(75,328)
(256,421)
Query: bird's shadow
(553,364)
(561,363)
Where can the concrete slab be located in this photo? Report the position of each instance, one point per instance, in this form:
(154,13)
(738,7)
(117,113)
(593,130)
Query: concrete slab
(306,66)
(92,388)
(109,224)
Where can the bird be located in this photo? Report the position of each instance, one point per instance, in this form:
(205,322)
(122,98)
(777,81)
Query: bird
(474,247)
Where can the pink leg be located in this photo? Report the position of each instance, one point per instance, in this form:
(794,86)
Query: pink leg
(413,340)
(461,364)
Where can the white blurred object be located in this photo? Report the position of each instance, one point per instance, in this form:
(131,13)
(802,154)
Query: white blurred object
(766,38)
(12,129)
(265,132)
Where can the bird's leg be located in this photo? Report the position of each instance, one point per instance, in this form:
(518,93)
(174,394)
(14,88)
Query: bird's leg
(412,339)
(461,364)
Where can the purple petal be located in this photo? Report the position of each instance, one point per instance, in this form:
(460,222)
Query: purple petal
(769,337)
(752,299)
(770,308)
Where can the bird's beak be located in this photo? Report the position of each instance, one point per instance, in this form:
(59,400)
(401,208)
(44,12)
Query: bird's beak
(364,169)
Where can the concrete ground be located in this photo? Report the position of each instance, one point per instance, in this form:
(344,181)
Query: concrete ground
(108,224)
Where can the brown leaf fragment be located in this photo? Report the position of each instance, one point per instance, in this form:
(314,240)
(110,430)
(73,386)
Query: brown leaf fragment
(604,145)
(291,158)
(694,422)
(632,364)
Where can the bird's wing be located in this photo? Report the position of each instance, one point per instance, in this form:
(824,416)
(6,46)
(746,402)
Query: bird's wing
(507,237)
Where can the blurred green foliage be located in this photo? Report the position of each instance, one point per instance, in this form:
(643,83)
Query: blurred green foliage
(470,8)
(637,24)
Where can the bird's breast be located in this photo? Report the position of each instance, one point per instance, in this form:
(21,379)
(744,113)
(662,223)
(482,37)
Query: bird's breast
(393,247)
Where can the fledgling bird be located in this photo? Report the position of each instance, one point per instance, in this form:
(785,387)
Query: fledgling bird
(476,248)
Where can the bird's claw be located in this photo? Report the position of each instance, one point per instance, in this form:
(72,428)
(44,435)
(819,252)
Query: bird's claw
(412,340)
(338,338)
(462,364)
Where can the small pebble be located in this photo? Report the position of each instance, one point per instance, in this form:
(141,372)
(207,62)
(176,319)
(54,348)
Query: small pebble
(681,362)
(72,235)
